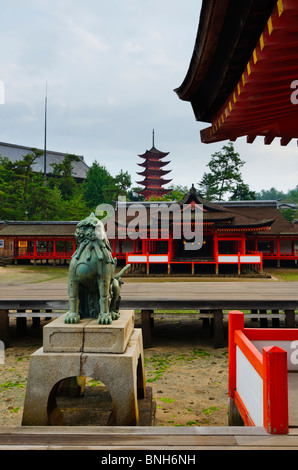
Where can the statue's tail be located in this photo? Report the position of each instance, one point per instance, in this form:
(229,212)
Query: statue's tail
(122,271)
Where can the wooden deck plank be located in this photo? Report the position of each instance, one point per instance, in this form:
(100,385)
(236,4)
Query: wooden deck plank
(148,438)
(166,291)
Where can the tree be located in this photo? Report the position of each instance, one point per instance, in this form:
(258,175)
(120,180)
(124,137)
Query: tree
(62,176)
(24,196)
(122,183)
(176,194)
(208,186)
(224,175)
(99,186)
(133,194)
(243,193)
(271,194)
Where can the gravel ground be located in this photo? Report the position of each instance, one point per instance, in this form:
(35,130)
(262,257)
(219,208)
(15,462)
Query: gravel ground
(189,378)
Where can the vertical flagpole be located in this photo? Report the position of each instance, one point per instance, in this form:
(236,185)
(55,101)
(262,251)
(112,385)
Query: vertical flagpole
(45,135)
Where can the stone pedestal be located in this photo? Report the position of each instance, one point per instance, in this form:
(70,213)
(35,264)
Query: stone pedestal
(112,354)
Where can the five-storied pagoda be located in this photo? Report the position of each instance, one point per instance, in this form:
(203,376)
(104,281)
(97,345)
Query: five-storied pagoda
(153,173)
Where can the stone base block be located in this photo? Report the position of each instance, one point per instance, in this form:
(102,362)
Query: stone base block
(122,374)
(88,336)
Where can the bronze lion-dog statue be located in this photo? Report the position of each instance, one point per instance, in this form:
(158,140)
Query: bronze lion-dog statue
(93,286)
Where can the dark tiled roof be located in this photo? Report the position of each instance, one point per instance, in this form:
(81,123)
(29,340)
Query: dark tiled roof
(17,152)
(54,228)
(279,226)
(254,215)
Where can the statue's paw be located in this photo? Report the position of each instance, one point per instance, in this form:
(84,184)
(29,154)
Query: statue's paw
(104,319)
(72,318)
(115,315)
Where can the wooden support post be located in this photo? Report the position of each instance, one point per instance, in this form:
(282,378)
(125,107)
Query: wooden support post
(263,321)
(254,311)
(205,320)
(35,320)
(290,319)
(4,327)
(275,390)
(146,327)
(218,330)
(21,326)
(275,321)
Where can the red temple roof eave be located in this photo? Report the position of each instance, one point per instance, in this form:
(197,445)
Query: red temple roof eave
(239,123)
(216,132)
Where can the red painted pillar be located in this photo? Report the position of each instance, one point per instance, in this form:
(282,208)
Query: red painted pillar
(236,322)
(215,251)
(170,247)
(278,247)
(243,242)
(275,390)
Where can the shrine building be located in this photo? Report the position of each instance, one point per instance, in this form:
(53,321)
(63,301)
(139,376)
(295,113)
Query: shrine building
(237,236)
(37,241)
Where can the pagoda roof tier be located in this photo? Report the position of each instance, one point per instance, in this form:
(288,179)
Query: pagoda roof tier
(253,46)
(153,181)
(154,172)
(154,154)
(155,163)
(157,193)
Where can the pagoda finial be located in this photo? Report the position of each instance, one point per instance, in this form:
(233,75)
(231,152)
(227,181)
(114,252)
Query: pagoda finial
(153,138)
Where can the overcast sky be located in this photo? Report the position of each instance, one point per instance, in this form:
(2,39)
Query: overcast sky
(111,68)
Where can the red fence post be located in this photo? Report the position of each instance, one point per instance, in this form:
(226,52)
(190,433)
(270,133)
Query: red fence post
(236,322)
(275,390)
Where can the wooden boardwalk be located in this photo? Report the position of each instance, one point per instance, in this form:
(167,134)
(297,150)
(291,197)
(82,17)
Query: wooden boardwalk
(144,438)
(147,296)
(167,292)
(155,295)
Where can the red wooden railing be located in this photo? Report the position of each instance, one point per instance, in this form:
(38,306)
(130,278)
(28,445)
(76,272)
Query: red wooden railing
(271,365)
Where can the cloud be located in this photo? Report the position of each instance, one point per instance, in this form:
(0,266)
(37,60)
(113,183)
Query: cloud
(111,68)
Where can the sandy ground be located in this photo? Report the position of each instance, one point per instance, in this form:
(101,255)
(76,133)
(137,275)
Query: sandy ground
(188,377)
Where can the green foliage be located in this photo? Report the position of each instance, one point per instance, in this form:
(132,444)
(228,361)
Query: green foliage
(176,194)
(208,411)
(291,197)
(271,194)
(167,400)
(27,195)
(224,177)
(242,193)
(100,186)
(10,384)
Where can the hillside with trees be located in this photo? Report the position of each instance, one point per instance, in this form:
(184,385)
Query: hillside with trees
(27,195)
